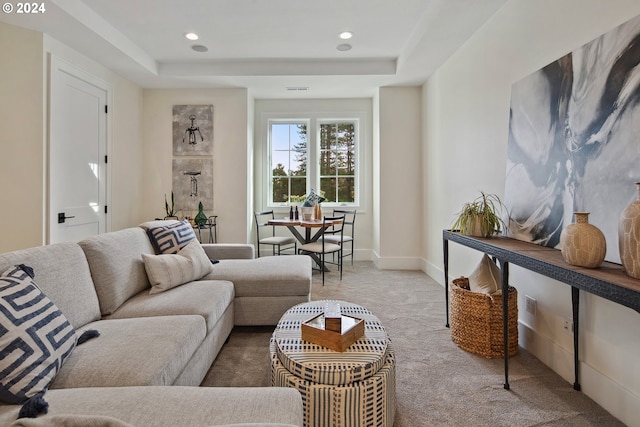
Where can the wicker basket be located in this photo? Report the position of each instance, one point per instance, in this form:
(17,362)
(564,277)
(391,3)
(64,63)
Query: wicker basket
(476,320)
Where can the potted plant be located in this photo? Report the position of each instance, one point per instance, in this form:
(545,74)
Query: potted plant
(481,217)
(169,209)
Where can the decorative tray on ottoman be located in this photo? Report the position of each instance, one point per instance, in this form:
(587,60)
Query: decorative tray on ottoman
(323,331)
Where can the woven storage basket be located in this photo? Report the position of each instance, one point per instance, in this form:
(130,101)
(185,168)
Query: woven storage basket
(476,320)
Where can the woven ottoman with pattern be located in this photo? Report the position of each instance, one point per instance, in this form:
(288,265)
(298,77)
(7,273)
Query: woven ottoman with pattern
(339,389)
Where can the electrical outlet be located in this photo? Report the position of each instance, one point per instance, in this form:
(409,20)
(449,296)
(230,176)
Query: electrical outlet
(530,305)
(568,326)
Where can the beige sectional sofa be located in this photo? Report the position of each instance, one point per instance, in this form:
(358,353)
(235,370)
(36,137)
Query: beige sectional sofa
(148,341)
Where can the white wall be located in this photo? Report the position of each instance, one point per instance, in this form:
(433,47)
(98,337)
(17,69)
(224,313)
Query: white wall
(466,117)
(22,129)
(400,179)
(230,153)
(359,108)
(23,137)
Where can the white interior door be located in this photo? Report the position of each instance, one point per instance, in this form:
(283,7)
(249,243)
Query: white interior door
(77,155)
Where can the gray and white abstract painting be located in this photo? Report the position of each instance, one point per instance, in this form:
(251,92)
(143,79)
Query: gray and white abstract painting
(574,140)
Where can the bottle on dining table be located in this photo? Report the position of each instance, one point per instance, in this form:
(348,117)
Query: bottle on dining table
(290,212)
(295,214)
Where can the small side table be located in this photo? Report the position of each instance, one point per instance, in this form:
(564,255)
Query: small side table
(212,226)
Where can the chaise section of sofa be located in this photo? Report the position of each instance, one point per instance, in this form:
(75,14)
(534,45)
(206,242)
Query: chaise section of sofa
(265,288)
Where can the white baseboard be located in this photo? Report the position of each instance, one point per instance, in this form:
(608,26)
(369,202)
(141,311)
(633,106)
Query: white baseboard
(433,271)
(622,403)
(617,400)
(397,263)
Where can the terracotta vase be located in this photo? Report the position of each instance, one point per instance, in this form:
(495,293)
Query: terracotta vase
(629,237)
(583,244)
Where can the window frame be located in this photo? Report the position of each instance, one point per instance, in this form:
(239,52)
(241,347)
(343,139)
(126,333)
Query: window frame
(313,122)
(270,123)
(356,167)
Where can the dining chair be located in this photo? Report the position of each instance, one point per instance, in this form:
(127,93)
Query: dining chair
(349,221)
(331,226)
(282,243)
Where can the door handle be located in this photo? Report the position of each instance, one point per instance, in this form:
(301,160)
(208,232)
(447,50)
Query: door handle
(62,217)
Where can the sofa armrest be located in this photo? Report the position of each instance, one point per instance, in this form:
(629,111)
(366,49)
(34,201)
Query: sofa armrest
(229,250)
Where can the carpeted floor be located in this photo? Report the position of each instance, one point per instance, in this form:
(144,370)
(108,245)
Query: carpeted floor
(438,384)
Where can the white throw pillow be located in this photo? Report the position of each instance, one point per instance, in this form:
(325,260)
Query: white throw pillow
(486,277)
(170,270)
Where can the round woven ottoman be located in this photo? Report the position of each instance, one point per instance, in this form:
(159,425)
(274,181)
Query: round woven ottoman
(356,387)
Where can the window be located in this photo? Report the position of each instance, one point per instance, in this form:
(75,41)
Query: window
(288,161)
(318,154)
(337,162)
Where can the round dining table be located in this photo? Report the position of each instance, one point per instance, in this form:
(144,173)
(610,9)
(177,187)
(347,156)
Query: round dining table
(308,226)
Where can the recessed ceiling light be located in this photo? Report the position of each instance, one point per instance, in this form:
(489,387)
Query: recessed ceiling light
(346,35)
(343,47)
(199,48)
(192,36)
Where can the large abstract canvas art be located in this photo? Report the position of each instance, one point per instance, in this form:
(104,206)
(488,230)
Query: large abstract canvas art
(574,140)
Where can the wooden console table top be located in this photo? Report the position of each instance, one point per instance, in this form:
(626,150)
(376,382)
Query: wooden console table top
(608,281)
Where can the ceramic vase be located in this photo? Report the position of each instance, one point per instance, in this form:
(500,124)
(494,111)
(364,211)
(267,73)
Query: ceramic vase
(475,228)
(629,237)
(583,244)
(201,217)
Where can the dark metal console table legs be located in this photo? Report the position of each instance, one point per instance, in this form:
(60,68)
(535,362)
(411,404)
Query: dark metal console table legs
(505,319)
(575,305)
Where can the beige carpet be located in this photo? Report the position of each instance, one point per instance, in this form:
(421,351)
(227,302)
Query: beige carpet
(438,384)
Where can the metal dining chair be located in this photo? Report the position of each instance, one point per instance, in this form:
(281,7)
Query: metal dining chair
(349,221)
(331,226)
(282,243)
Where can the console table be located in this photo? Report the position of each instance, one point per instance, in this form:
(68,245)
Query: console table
(609,281)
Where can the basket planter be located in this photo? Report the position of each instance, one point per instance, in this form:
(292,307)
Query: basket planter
(476,320)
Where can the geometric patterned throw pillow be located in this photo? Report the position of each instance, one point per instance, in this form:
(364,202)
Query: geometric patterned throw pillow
(169,239)
(35,340)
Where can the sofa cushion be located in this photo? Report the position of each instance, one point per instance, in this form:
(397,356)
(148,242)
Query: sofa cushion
(35,338)
(116,265)
(170,270)
(207,298)
(141,351)
(69,420)
(267,276)
(170,238)
(63,275)
(177,405)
